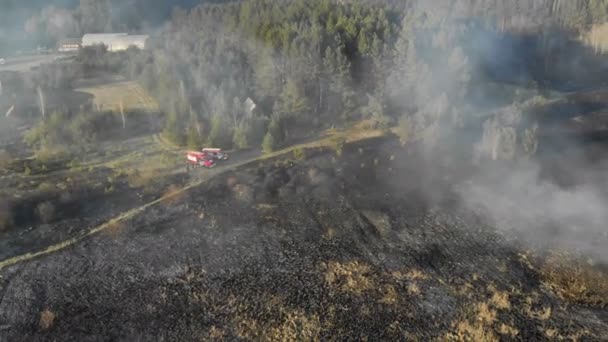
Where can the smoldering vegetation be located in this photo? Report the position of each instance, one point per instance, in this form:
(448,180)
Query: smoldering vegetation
(483,219)
(331,247)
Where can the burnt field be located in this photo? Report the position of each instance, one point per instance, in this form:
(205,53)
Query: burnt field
(363,244)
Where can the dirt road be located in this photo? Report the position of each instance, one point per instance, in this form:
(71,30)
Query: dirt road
(26,63)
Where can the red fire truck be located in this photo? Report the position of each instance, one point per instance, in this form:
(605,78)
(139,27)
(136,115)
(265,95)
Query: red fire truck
(195,159)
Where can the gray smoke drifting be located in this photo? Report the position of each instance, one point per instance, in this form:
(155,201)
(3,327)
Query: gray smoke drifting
(515,196)
(518,201)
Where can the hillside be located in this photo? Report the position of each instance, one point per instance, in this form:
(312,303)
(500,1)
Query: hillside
(322,247)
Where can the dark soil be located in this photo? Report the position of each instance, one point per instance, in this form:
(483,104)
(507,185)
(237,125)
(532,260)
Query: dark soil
(365,246)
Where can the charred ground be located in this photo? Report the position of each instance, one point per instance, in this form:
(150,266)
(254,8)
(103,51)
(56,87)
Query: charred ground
(361,244)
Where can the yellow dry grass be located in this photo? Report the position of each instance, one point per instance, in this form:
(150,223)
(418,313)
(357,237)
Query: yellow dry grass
(216,334)
(295,326)
(329,233)
(413,289)
(506,329)
(413,274)
(481,323)
(351,277)
(389,295)
(247,328)
(575,281)
(597,37)
(466,331)
(500,299)
(5,158)
(47,319)
(128,94)
(115,229)
(416,274)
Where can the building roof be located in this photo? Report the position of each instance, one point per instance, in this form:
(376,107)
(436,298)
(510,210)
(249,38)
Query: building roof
(70,41)
(115,41)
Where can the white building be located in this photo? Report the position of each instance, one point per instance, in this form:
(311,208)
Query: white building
(69,45)
(115,41)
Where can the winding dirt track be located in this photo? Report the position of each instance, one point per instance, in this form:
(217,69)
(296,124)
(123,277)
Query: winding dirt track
(239,159)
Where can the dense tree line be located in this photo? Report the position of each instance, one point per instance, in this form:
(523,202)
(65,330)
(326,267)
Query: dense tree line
(306,64)
(310,65)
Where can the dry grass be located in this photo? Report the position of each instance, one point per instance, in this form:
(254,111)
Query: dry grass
(466,331)
(140,178)
(379,220)
(216,334)
(5,159)
(330,233)
(247,329)
(352,277)
(47,319)
(480,322)
(173,195)
(413,274)
(265,206)
(295,326)
(477,327)
(115,229)
(596,37)
(551,333)
(541,315)
(131,94)
(575,281)
(506,329)
(413,289)
(485,314)
(416,274)
(389,295)
(500,299)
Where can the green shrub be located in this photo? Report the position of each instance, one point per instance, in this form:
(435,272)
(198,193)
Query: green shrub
(268,145)
(299,154)
(337,144)
(239,138)
(45,186)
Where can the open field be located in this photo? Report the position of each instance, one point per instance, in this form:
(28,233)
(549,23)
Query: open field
(128,94)
(345,236)
(326,246)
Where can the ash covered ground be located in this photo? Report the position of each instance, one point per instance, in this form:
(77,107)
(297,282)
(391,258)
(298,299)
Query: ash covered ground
(365,245)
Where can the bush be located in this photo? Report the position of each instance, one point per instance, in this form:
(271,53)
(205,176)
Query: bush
(46,155)
(239,138)
(337,144)
(299,154)
(45,187)
(46,212)
(268,145)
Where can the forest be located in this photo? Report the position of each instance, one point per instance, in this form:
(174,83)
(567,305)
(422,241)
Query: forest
(311,65)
